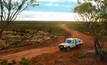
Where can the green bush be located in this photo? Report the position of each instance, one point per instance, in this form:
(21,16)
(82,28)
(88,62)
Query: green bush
(13,61)
(4,62)
(102,55)
(20,45)
(15,44)
(25,62)
(103,51)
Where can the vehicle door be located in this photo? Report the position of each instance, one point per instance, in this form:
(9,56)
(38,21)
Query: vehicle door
(72,43)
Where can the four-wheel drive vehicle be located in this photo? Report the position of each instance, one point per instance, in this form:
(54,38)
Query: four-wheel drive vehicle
(70,43)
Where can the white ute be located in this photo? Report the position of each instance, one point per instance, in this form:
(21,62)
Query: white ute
(70,43)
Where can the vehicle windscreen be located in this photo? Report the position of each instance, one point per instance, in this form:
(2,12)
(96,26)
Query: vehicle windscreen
(69,41)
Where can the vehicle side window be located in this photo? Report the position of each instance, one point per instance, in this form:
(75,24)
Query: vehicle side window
(79,40)
(70,41)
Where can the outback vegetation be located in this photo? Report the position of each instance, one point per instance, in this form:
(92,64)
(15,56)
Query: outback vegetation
(9,10)
(95,16)
(19,34)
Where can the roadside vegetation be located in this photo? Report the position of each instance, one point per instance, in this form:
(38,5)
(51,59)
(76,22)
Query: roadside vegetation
(82,27)
(19,34)
(95,17)
(23,61)
(51,27)
(79,26)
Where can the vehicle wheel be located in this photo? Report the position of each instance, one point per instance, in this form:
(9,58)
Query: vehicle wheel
(61,49)
(78,46)
(68,49)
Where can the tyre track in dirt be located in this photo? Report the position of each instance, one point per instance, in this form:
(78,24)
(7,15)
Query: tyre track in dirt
(29,54)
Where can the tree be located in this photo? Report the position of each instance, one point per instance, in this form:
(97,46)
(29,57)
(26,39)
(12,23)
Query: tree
(94,13)
(9,9)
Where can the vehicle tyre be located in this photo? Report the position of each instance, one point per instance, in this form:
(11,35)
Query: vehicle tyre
(68,49)
(78,46)
(61,49)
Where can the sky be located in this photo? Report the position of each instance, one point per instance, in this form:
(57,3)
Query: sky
(50,10)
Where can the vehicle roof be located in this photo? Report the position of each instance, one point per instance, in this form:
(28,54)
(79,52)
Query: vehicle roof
(72,38)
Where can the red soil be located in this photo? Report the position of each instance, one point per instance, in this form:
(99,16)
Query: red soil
(52,56)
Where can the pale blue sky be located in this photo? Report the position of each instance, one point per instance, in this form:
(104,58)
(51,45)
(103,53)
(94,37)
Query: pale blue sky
(56,6)
(51,10)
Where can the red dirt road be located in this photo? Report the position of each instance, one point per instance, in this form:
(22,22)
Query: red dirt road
(30,53)
(82,56)
(51,49)
(75,34)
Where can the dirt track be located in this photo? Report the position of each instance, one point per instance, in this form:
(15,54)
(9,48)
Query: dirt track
(30,53)
(52,49)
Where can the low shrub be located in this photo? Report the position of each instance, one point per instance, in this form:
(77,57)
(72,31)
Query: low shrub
(25,61)
(102,55)
(4,62)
